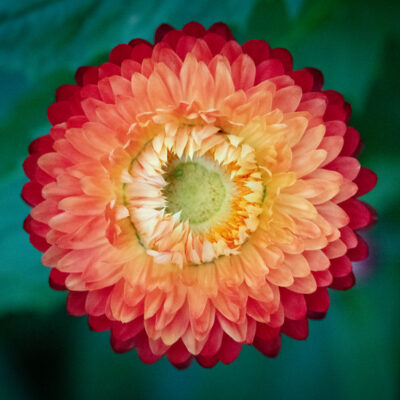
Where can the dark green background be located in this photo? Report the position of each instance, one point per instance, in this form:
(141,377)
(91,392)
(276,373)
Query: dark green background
(352,354)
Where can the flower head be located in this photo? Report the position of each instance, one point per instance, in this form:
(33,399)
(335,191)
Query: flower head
(196,195)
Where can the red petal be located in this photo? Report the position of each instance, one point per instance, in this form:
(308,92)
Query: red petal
(258,50)
(318,301)
(349,111)
(303,78)
(27,224)
(66,92)
(99,323)
(337,109)
(366,181)
(284,56)
(42,144)
(141,51)
(57,279)
(96,301)
(76,303)
(221,29)
(38,242)
(334,97)
(348,237)
(349,167)
(214,341)
(344,283)
(229,350)
(316,315)
(269,348)
(184,365)
(207,362)
(340,267)
(33,226)
(122,332)
(79,74)
(42,177)
(172,38)
(194,29)
(135,42)
(123,347)
(360,252)
(59,112)
(77,120)
(337,112)
(214,42)
(161,31)
(294,304)
(106,91)
(351,142)
(108,69)
(90,75)
(32,193)
(120,53)
(30,165)
(231,51)
(318,78)
(178,353)
(360,214)
(144,351)
(185,45)
(89,90)
(268,69)
(201,51)
(265,332)
(335,128)
(296,329)
(323,278)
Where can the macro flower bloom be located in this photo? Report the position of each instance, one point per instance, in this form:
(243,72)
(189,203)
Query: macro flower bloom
(196,195)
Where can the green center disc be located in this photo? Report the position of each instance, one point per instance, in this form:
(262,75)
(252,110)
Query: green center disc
(197,190)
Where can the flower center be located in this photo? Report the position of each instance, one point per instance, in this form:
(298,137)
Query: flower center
(199,190)
(194,194)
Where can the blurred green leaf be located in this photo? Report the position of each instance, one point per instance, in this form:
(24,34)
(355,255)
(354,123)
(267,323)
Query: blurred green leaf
(23,280)
(294,7)
(38,37)
(334,36)
(380,121)
(27,120)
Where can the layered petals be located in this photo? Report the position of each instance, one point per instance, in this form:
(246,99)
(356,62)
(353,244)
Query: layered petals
(197,195)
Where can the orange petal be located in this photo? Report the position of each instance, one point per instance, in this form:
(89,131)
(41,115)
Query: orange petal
(287,99)
(243,72)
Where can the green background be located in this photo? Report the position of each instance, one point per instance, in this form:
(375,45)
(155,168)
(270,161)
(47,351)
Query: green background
(352,354)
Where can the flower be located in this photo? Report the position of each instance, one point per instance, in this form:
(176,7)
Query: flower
(196,195)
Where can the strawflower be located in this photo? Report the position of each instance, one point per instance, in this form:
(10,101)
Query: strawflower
(196,195)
